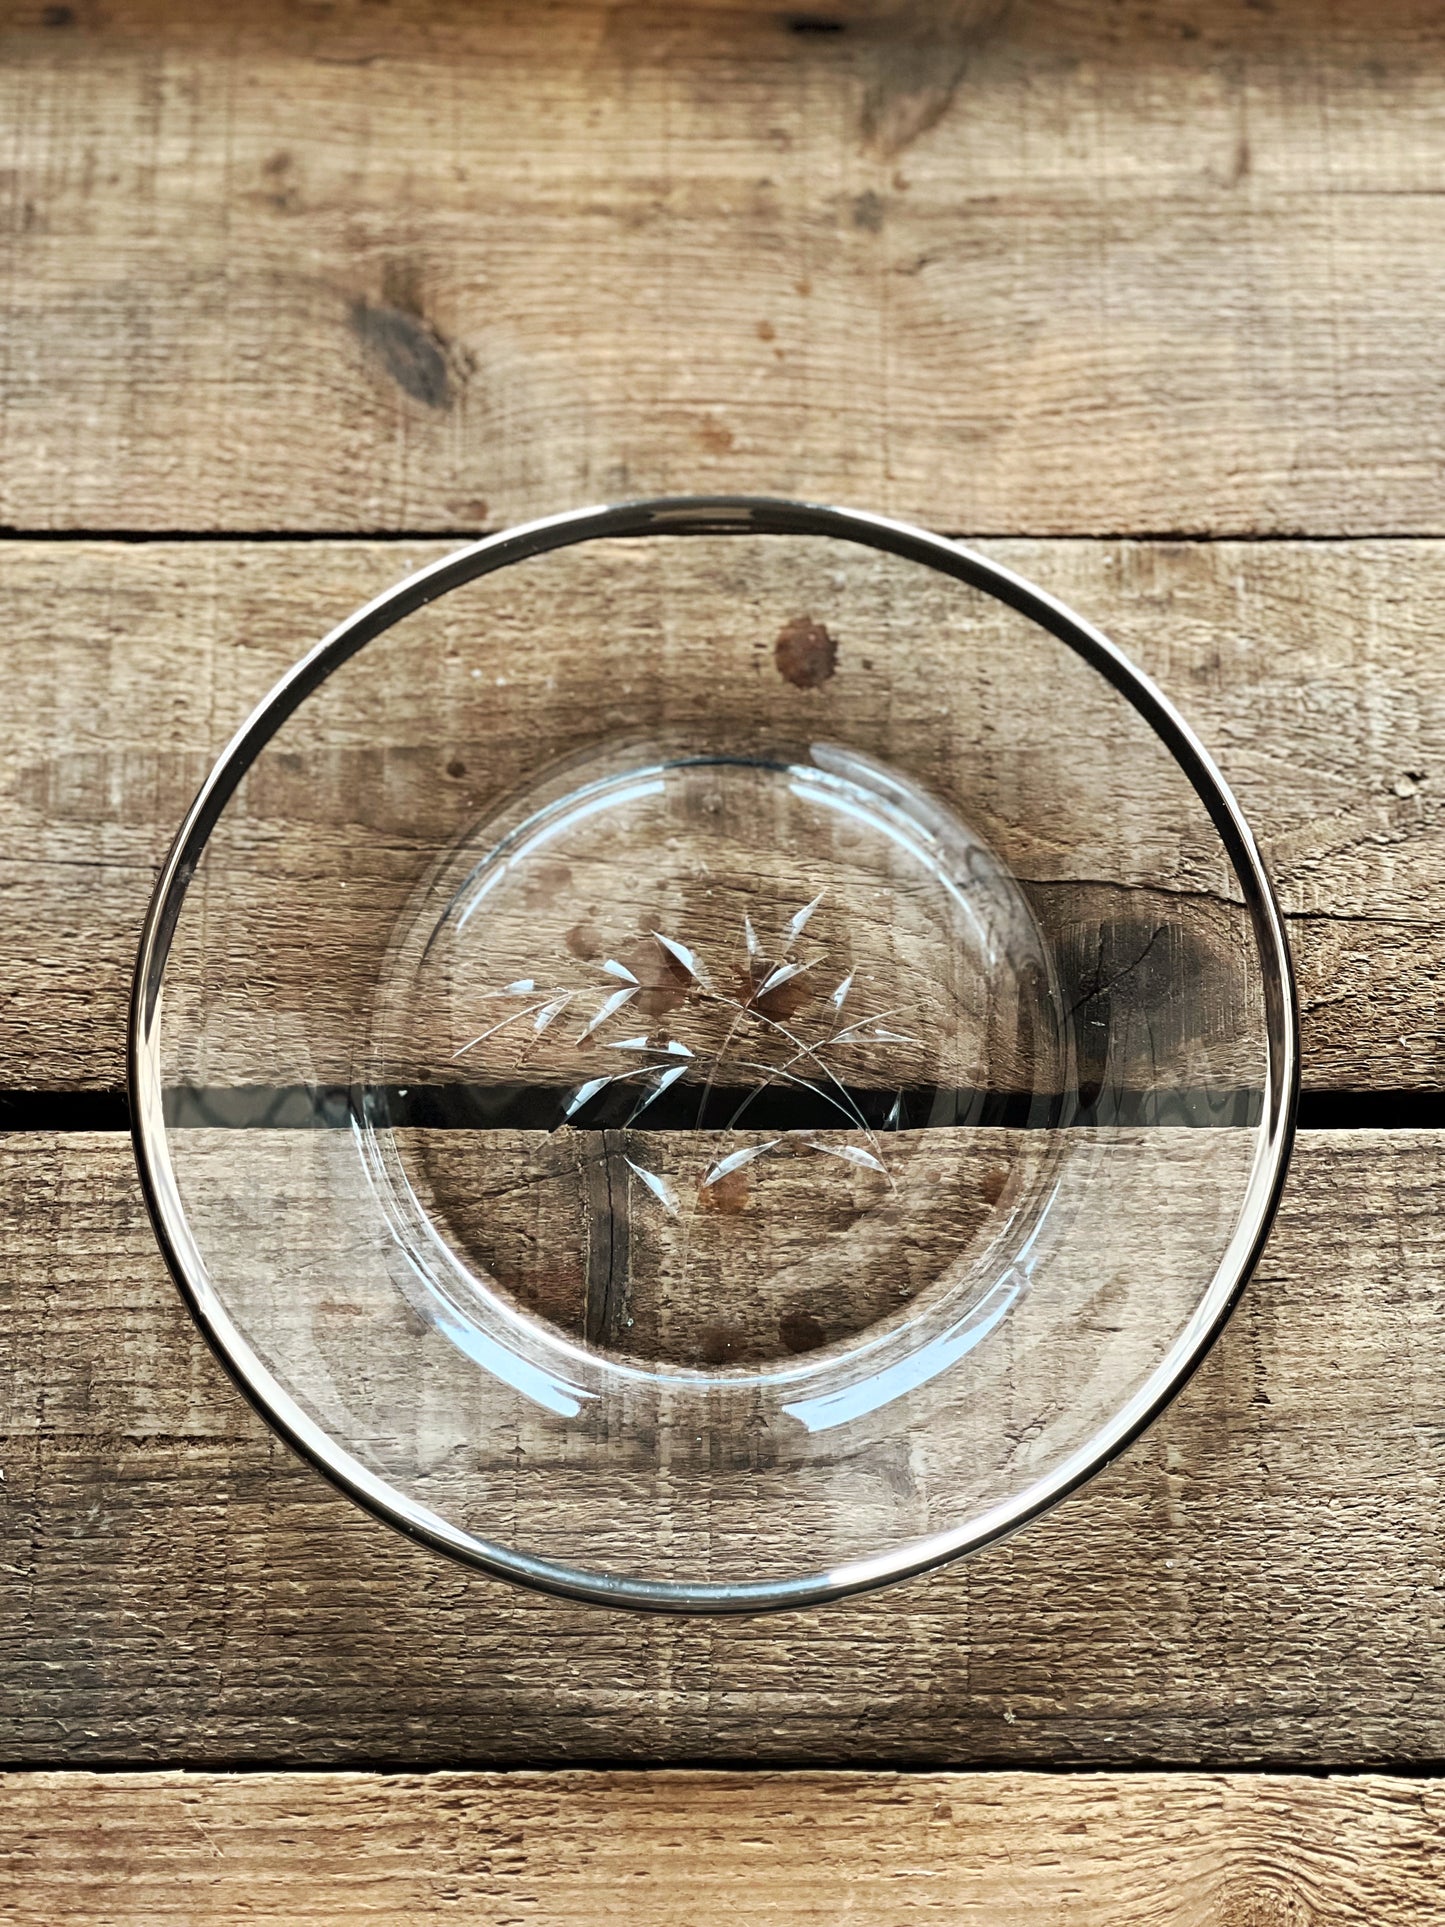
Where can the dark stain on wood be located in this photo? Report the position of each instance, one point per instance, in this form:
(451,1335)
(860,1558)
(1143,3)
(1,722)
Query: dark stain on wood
(410,351)
(911,96)
(868,212)
(991,1184)
(801,1332)
(716,1345)
(726,1196)
(1142,986)
(805,653)
(715,437)
(920,66)
(400,340)
(665,982)
(282,192)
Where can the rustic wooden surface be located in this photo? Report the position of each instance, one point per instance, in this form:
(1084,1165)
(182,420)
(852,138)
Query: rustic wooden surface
(1033,272)
(1139,1850)
(1256,1581)
(1044,266)
(1313,670)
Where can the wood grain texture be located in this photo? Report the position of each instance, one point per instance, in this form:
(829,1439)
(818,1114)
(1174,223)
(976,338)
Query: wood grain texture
(1313,670)
(1034,267)
(779,1850)
(1042,266)
(1120,1232)
(1257,1580)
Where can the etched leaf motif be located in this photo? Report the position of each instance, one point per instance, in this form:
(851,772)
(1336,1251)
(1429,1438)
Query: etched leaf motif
(584,1093)
(802,919)
(672,1048)
(658,1186)
(784,974)
(664,1082)
(685,957)
(503,1023)
(850,1153)
(788,1044)
(609,1008)
(735,1160)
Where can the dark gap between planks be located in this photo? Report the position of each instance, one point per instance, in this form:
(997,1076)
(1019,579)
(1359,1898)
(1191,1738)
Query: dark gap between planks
(640,1766)
(453,1107)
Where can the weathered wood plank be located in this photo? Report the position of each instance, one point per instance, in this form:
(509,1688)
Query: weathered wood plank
(1258,1580)
(289,1227)
(1043,266)
(1149,1850)
(1311,668)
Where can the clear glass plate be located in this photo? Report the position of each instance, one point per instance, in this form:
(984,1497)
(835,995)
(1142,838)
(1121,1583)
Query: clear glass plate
(711,1054)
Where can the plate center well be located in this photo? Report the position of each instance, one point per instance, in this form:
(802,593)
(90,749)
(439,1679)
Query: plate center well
(711,1059)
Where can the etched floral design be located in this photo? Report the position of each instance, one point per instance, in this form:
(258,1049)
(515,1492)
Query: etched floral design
(758,1039)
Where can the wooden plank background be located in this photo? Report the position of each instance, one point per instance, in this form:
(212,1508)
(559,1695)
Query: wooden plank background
(994,1849)
(1147,298)
(1045,267)
(1256,1582)
(1313,670)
